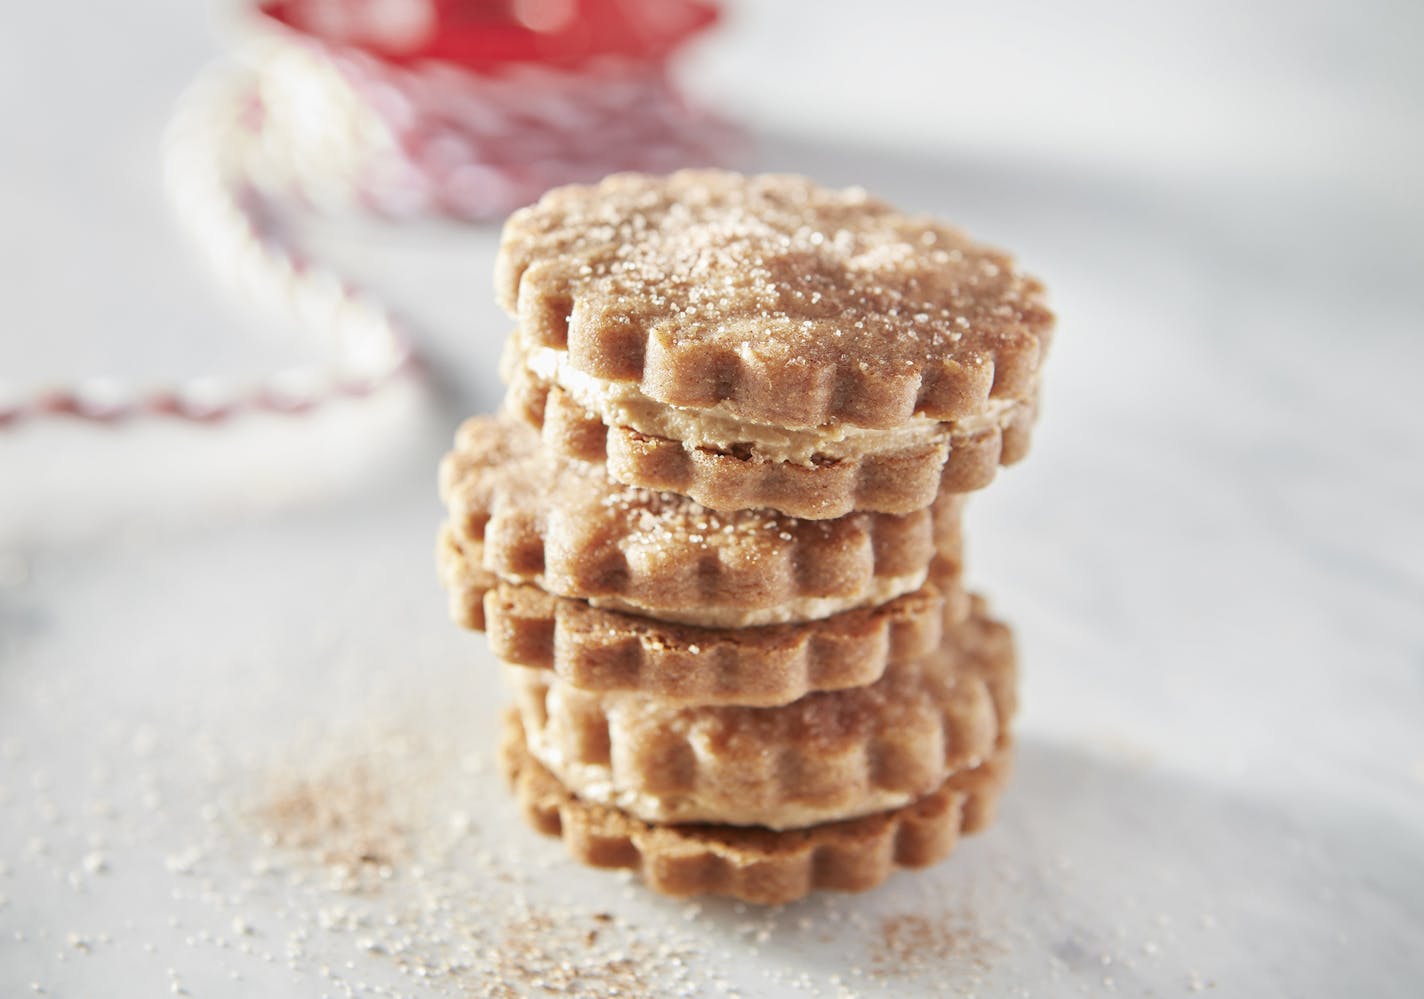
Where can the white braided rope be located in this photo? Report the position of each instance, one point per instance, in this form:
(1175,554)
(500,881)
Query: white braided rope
(335,130)
(223,212)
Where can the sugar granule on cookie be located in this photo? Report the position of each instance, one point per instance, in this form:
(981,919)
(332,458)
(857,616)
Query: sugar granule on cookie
(772,299)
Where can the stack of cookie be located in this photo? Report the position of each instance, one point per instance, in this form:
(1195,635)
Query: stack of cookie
(715,531)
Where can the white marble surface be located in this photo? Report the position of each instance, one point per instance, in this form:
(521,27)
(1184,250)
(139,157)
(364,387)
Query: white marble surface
(1213,556)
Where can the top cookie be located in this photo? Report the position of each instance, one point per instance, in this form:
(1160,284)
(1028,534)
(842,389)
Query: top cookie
(772,298)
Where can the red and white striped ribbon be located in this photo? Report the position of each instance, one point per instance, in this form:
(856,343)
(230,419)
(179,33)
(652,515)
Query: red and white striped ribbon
(327,128)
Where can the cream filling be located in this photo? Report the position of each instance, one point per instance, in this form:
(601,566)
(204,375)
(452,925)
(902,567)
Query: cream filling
(623,404)
(879,590)
(597,783)
(796,609)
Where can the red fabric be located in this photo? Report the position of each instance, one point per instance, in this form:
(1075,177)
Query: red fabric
(487,34)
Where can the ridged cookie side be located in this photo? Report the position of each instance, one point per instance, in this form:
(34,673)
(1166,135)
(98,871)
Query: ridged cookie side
(825,757)
(750,864)
(609,652)
(899,480)
(465,582)
(565,527)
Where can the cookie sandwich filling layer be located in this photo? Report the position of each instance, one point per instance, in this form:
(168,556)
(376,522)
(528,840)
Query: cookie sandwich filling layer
(623,404)
(790,611)
(597,783)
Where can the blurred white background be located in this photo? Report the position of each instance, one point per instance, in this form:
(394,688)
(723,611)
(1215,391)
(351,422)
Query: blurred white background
(1213,556)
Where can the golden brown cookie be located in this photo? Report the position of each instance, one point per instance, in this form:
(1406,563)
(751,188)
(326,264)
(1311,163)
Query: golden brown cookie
(603,650)
(772,300)
(722,469)
(748,863)
(825,757)
(526,516)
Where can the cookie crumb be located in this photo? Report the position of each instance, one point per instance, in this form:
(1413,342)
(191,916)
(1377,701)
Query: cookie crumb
(911,944)
(343,817)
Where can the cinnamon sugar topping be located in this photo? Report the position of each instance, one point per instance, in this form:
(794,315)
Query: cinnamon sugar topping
(771,296)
